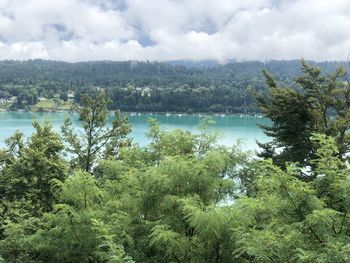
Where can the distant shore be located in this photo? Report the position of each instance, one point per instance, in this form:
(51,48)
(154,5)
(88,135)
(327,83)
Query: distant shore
(136,113)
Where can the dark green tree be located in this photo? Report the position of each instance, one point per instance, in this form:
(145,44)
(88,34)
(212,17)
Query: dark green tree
(317,103)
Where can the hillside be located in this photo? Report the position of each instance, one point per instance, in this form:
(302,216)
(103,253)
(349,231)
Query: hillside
(179,86)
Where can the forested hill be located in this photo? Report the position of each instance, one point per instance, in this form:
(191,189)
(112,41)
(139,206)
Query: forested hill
(181,86)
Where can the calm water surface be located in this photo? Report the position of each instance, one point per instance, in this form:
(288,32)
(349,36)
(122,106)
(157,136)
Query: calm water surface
(231,128)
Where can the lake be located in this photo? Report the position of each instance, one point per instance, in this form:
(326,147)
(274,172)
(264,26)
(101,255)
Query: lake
(230,127)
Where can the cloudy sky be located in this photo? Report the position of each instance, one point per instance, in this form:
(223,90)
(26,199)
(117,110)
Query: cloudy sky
(81,30)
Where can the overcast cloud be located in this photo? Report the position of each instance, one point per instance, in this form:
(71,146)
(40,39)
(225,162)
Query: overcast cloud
(81,30)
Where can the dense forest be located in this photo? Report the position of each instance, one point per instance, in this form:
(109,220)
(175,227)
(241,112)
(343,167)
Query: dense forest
(144,86)
(95,196)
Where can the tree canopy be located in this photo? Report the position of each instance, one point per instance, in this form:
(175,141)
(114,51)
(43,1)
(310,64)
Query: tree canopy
(181,198)
(319,104)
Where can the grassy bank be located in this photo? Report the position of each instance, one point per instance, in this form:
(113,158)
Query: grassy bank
(52,105)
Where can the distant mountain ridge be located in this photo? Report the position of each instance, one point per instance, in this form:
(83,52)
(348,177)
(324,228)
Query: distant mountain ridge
(121,70)
(214,63)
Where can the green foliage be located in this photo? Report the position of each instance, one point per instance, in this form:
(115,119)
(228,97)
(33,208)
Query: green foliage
(33,167)
(182,198)
(296,221)
(319,104)
(93,114)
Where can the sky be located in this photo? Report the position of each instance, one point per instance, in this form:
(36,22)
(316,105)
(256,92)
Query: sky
(85,30)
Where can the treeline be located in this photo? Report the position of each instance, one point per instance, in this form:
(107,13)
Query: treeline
(94,196)
(146,86)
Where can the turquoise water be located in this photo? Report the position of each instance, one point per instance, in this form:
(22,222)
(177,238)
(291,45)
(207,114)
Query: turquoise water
(231,127)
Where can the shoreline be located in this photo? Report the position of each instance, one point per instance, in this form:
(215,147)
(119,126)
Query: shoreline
(200,114)
(139,113)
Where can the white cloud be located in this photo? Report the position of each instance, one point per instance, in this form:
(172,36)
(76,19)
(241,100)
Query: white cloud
(80,30)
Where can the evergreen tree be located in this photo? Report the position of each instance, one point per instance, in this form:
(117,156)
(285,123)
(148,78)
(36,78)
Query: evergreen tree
(319,103)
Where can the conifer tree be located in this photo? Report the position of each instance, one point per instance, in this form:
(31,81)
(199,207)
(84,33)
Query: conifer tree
(317,103)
